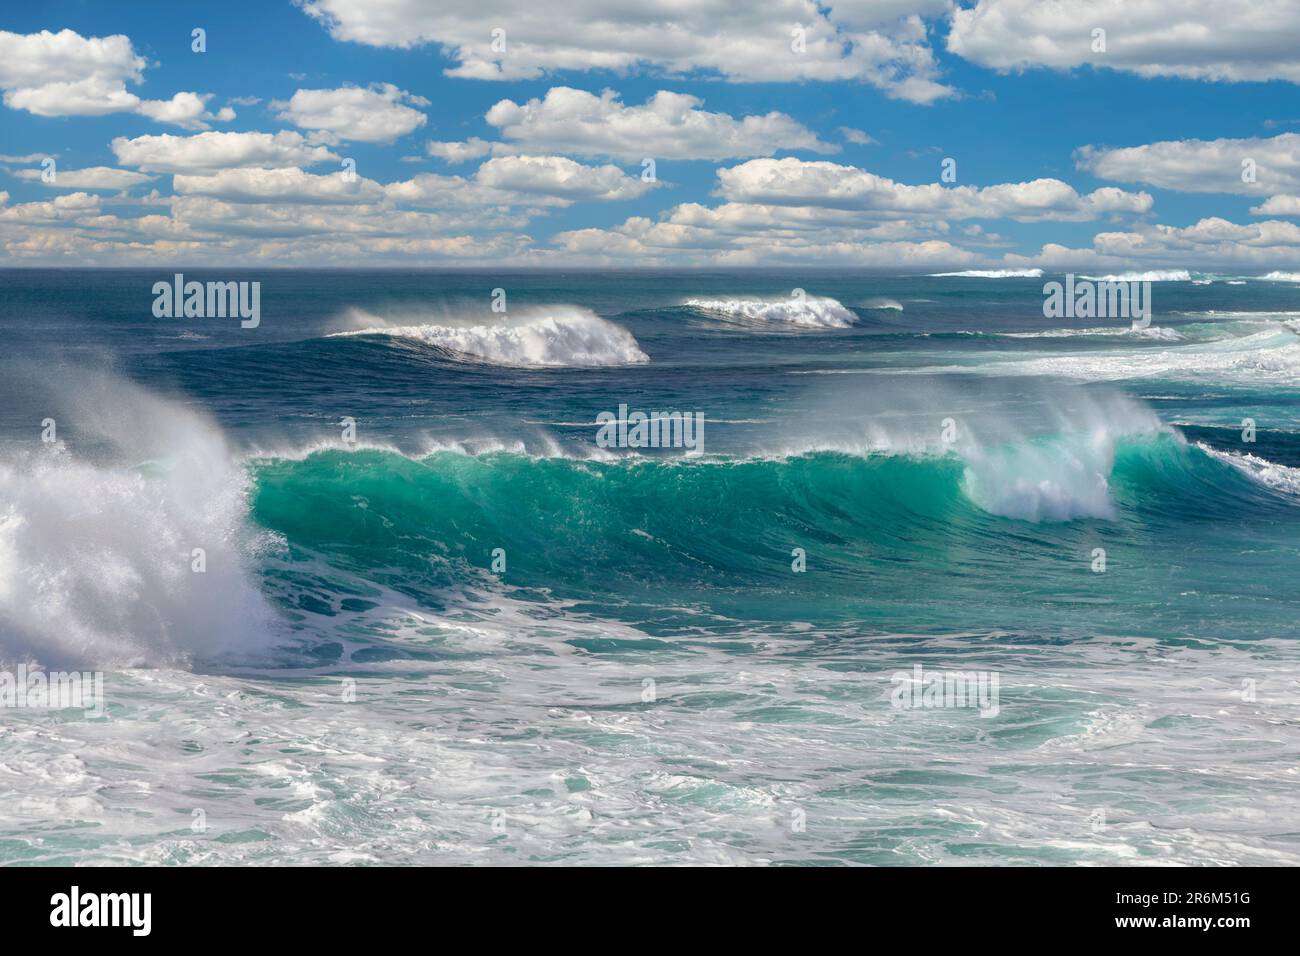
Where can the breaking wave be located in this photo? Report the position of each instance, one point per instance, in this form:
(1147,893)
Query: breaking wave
(558,337)
(810,312)
(994,274)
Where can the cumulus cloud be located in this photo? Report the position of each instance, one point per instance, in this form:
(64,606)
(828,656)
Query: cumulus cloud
(531,181)
(522,181)
(561,177)
(454,152)
(91,177)
(183,109)
(288,185)
(207,152)
(685,238)
(1278,206)
(881,42)
(666,126)
(1254,166)
(379,114)
(1231,40)
(66,74)
(1212,243)
(796,182)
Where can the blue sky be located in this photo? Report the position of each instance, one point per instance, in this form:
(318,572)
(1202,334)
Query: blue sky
(165,154)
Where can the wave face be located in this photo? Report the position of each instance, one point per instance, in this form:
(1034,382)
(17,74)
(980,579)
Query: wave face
(615,530)
(557,338)
(809,312)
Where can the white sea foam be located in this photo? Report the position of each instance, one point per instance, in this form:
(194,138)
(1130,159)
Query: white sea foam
(1282,277)
(1058,480)
(1155,275)
(557,337)
(1271,354)
(1278,477)
(993,274)
(96,553)
(1162,333)
(810,312)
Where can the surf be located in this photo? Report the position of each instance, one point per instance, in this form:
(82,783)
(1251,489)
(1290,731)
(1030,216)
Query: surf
(557,337)
(809,312)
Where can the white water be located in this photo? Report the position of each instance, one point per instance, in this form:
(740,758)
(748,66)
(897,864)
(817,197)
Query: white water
(560,336)
(1154,275)
(1162,333)
(806,312)
(993,274)
(97,538)
(1268,473)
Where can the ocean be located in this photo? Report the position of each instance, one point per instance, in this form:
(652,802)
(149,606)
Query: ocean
(366,585)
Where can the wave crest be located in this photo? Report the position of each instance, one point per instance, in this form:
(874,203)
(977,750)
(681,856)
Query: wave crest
(1154,275)
(559,337)
(992,274)
(807,312)
(97,555)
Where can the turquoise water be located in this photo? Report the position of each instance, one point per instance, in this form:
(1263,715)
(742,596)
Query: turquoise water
(469,633)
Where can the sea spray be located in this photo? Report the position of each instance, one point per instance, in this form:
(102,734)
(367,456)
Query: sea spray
(557,337)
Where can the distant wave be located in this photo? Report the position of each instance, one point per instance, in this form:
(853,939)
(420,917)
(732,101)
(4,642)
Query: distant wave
(1149,332)
(810,312)
(562,336)
(883,303)
(994,274)
(1282,277)
(1154,275)
(1270,355)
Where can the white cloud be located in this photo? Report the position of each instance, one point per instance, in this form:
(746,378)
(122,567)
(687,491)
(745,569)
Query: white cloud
(206,152)
(1212,243)
(1232,40)
(1278,206)
(667,126)
(288,185)
(72,207)
(882,42)
(66,74)
(454,152)
(1202,166)
(795,182)
(91,177)
(856,136)
(695,237)
(379,114)
(561,177)
(521,181)
(184,109)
